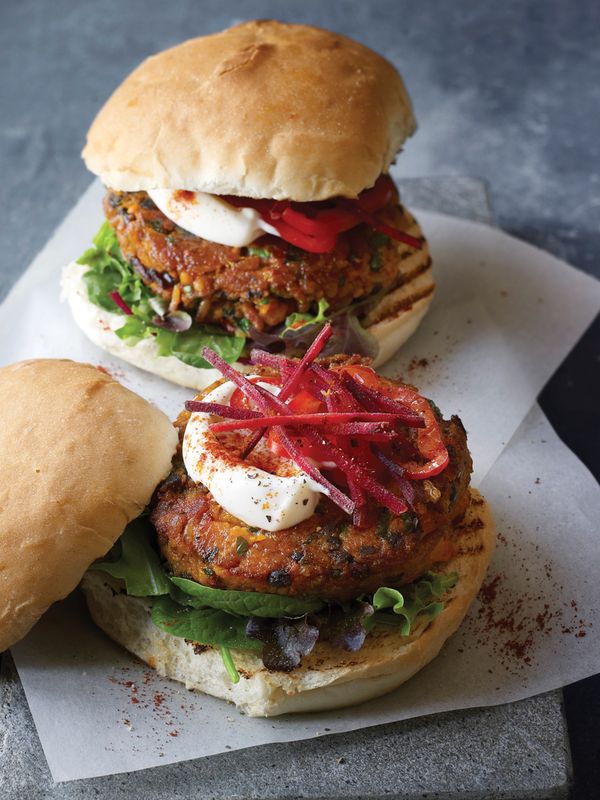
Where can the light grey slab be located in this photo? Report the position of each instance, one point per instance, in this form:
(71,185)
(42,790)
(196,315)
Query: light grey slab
(512,751)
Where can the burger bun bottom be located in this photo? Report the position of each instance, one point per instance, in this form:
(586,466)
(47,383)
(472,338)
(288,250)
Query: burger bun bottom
(328,678)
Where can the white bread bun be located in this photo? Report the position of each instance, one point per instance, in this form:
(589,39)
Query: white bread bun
(81,456)
(392,321)
(327,678)
(264,109)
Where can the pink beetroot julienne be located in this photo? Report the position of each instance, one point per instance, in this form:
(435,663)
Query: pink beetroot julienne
(358,427)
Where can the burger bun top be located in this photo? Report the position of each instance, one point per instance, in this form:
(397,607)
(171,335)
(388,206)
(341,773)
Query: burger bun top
(263,109)
(81,456)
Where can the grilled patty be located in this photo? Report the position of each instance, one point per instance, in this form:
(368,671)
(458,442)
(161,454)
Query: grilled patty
(326,555)
(260,285)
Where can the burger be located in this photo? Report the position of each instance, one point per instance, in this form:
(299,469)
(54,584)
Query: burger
(248,203)
(304,538)
(81,457)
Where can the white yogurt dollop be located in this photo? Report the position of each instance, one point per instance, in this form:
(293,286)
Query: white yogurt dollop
(256,497)
(210,217)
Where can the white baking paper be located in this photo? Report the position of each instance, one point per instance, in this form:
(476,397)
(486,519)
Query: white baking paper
(504,317)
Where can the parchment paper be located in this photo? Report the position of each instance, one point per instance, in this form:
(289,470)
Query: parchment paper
(504,317)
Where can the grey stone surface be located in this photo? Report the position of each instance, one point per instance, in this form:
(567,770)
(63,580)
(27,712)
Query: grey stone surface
(458,196)
(503,91)
(512,751)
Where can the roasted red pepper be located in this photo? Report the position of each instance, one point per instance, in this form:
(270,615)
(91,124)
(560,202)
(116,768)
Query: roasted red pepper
(315,226)
(430,442)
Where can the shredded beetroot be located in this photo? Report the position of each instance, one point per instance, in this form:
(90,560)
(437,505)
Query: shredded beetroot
(265,401)
(294,378)
(118,300)
(290,386)
(393,233)
(375,401)
(405,486)
(367,417)
(358,474)
(370,431)
(344,418)
(359,518)
(340,397)
(272,360)
(230,412)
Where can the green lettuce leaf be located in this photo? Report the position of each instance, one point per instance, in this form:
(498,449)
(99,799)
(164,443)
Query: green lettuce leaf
(110,272)
(203,625)
(423,598)
(138,564)
(133,331)
(218,617)
(296,320)
(188,345)
(246,604)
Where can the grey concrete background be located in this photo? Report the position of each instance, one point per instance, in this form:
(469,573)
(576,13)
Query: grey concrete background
(507,92)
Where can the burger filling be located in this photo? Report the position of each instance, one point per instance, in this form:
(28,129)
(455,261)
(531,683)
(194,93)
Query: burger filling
(312,501)
(300,265)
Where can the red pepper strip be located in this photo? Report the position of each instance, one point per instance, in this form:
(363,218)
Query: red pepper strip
(376,401)
(303,402)
(357,473)
(378,196)
(430,441)
(261,205)
(266,402)
(315,230)
(325,418)
(327,221)
(322,243)
(116,298)
(220,410)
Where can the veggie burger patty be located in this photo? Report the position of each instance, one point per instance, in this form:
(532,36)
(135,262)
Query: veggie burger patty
(258,286)
(326,555)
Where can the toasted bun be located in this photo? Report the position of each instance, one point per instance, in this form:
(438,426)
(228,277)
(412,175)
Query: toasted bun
(392,321)
(328,678)
(81,456)
(263,109)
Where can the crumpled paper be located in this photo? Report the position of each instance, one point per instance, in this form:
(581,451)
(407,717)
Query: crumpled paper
(504,317)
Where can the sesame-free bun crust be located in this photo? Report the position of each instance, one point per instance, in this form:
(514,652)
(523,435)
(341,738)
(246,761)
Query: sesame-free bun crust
(328,678)
(391,322)
(263,109)
(81,456)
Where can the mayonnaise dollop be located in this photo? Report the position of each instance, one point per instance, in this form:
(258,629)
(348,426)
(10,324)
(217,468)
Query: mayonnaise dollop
(210,217)
(257,497)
